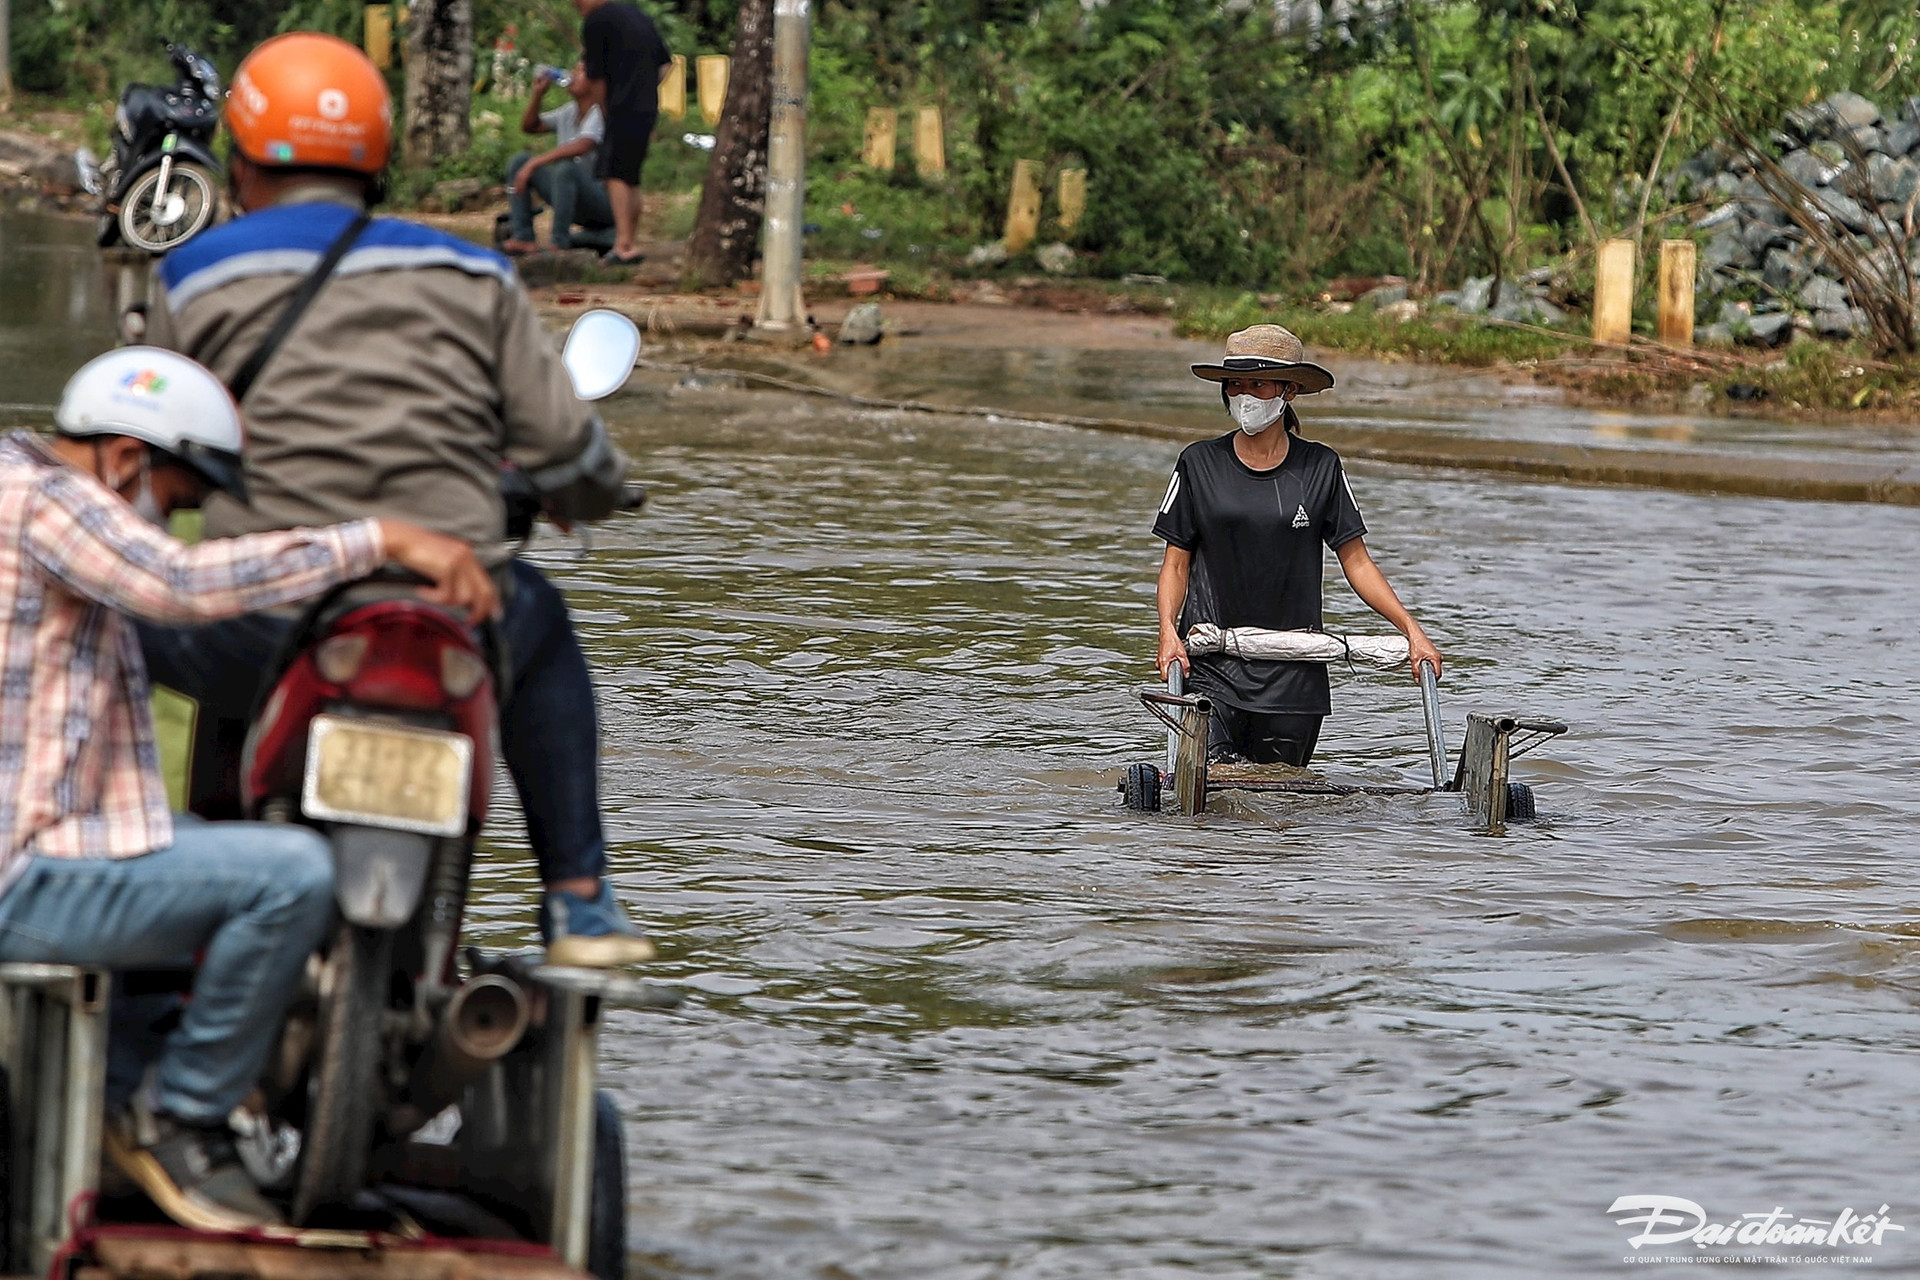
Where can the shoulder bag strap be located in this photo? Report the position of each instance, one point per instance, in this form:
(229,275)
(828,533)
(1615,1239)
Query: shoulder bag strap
(309,289)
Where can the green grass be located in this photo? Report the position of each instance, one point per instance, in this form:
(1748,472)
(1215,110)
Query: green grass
(1830,378)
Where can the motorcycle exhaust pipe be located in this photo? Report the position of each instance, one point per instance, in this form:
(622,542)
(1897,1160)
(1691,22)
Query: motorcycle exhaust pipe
(480,1025)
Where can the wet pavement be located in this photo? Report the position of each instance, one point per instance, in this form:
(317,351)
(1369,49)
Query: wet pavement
(1452,418)
(866,685)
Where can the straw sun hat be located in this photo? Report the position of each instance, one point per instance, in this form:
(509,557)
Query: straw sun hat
(1267,351)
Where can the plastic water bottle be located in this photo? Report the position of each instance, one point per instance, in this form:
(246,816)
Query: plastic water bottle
(558,75)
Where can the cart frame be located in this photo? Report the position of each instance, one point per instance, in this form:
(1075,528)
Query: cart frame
(1481,776)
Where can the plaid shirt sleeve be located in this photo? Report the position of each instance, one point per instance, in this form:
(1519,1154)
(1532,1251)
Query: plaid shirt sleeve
(99,548)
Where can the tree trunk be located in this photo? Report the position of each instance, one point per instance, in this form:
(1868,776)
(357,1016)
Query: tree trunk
(726,233)
(6,57)
(439,95)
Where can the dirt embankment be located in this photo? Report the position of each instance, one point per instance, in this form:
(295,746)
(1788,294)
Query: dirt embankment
(712,333)
(41,172)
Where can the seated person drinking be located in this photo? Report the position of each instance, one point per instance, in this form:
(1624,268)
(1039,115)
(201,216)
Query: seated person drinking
(562,176)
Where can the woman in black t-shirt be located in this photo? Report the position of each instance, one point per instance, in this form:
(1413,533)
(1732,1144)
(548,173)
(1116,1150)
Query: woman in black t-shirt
(1244,519)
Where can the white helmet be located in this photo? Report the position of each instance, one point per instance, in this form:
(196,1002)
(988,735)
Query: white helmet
(178,407)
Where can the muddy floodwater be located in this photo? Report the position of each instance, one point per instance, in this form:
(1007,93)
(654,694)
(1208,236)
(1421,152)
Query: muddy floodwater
(867,685)
(955,1014)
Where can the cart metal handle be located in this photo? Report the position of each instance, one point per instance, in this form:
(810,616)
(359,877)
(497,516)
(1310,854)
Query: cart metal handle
(1430,705)
(1153,700)
(1176,686)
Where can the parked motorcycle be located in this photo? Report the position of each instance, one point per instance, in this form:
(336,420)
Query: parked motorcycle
(161,185)
(378,730)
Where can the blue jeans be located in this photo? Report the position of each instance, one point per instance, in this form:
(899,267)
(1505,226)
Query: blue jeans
(255,898)
(549,731)
(577,199)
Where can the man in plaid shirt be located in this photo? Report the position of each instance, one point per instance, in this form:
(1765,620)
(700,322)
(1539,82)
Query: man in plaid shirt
(94,870)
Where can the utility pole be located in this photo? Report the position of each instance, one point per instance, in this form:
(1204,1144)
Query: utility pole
(780,305)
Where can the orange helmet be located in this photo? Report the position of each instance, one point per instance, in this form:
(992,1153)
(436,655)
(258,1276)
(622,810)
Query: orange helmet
(311,100)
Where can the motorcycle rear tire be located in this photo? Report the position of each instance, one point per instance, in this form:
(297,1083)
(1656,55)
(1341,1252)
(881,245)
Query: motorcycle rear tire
(344,1094)
(607,1220)
(200,191)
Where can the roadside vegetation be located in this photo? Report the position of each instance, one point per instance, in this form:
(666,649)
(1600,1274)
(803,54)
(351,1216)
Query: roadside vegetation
(1232,152)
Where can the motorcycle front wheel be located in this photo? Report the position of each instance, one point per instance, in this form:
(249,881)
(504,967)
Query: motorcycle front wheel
(343,1092)
(156,220)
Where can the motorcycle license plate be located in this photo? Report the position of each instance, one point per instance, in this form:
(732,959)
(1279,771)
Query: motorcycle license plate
(381,774)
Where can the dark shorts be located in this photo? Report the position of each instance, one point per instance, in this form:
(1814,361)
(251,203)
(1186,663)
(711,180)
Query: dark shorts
(1250,737)
(624,154)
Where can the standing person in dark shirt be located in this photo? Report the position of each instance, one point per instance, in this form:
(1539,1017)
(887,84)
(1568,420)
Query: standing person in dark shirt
(1244,519)
(625,60)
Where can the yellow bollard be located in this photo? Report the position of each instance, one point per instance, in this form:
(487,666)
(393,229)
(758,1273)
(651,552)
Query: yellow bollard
(713,69)
(929,143)
(1073,197)
(378,37)
(1023,206)
(1676,292)
(1613,293)
(673,90)
(882,124)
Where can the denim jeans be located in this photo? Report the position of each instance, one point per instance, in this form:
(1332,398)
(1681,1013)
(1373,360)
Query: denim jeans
(576,198)
(549,731)
(255,899)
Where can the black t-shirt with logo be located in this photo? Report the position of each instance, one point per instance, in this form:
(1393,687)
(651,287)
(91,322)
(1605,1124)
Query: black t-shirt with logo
(621,46)
(1256,538)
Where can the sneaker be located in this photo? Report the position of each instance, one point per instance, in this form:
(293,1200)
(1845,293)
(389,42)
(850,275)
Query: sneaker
(590,933)
(190,1171)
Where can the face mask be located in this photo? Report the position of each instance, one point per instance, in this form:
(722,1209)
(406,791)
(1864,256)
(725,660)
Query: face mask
(1254,414)
(144,504)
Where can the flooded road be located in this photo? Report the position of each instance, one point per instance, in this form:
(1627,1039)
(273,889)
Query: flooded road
(867,686)
(956,1015)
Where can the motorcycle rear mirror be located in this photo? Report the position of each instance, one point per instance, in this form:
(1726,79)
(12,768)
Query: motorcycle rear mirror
(601,350)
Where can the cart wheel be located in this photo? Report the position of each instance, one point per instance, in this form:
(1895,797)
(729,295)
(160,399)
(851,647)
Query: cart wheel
(1520,806)
(1141,787)
(607,1223)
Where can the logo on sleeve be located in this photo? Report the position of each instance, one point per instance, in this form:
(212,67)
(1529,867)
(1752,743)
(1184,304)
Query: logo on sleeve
(1173,491)
(1300,520)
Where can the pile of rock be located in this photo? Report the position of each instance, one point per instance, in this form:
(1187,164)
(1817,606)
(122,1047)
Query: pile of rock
(1523,300)
(44,167)
(1858,170)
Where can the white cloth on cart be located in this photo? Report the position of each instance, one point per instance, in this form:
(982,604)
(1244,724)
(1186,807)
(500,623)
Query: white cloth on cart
(1297,646)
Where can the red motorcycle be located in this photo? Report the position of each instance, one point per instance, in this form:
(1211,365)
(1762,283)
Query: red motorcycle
(379,731)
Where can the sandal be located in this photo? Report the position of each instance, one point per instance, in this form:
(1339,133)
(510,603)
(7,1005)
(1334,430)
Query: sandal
(612,259)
